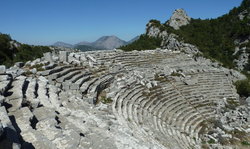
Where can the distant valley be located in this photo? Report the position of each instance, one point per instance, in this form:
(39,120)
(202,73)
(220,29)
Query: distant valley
(103,43)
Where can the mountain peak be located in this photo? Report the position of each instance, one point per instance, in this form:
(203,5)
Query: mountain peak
(109,42)
(178,19)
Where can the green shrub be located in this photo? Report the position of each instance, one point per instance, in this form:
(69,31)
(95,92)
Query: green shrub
(106,100)
(211,141)
(245,143)
(243,87)
(176,74)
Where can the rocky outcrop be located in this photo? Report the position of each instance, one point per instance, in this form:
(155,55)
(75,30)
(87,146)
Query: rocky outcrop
(241,53)
(169,40)
(244,14)
(243,58)
(178,19)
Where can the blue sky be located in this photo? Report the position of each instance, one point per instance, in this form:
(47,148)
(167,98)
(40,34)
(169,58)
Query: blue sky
(43,22)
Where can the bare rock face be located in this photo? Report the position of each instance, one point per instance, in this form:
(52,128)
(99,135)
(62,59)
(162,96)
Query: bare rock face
(244,14)
(178,19)
(153,31)
(242,61)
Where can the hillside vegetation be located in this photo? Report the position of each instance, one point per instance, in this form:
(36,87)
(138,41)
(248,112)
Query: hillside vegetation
(143,43)
(214,37)
(84,48)
(11,51)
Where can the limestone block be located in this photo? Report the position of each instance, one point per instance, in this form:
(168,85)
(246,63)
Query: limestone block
(11,136)
(48,57)
(23,118)
(2,69)
(42,113)
(77,56)
(191,81)
(83,58)
(4,77)
(16,104)
(69,140)
(55,58)
(91,58)
(76,62)
(248,101)
(3,86)
(38,140)
(54,96)
(48,129)
(71,57)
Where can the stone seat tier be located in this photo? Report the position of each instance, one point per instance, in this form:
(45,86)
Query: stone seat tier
(85,86)
(183,139)
(68,76)
(127,102)
(31,93)
(4,85)
(100,83)
(116,105)
(43,92)
(120,100)
(59,74)
(176,108)
(129,94)
(54,70)
(77,84)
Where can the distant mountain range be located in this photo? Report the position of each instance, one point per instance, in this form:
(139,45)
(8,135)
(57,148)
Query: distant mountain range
(103,43)
(63,44)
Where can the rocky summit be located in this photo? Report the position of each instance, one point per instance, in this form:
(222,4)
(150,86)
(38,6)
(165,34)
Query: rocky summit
(178,19)
(161,99)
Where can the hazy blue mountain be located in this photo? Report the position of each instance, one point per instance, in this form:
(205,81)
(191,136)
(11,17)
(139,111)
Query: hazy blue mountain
(84,43)
(103,43)
(63,44)
(108,42)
